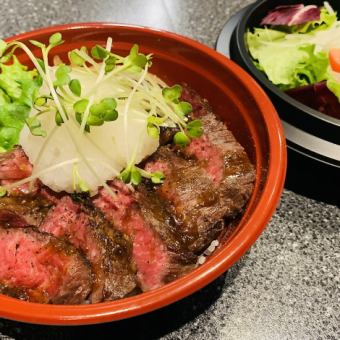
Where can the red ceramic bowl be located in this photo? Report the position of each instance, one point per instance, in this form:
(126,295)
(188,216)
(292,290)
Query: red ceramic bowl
(238,100)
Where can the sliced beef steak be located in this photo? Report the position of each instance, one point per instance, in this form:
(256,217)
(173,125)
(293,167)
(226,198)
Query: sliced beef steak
(145,236)
(149,253)
(224,159)
(38,267)
(171,224)
(31,210)
(157,212)
(15,292)
(8,219)
(193,200)
(106,248)
(24,202)
(220,154)
(206,182)
(14,166)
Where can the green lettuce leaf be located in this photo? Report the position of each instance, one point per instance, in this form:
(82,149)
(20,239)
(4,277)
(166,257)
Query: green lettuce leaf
(18,89)
(288,63)
(333,85)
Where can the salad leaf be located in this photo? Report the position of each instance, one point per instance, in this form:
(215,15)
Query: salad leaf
(300,18)
(289,15)
(327,20)
(295,56)
(318,97)
(288,63)
(12,120)
(315,69)
(18,83)
(18,90)
(333,85)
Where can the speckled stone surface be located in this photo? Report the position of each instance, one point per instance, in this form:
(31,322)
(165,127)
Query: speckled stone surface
(286,287)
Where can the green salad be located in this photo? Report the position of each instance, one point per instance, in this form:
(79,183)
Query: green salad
(296,47)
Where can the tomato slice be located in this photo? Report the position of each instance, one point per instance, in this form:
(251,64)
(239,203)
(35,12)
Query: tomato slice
(334,59)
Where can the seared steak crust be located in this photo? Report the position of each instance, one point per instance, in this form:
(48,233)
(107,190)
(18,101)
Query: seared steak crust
(30,209)
(158,213)
(207,182)
(107,249)
(38,267)
(149,254)
(193,199)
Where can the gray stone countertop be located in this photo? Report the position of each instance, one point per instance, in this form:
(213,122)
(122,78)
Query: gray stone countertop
(285,287)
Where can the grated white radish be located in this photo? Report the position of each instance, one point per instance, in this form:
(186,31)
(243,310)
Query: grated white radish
(110,147)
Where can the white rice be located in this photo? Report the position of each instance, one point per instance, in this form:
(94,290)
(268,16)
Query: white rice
(212,247)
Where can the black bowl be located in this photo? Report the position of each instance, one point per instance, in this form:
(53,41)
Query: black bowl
(313,138)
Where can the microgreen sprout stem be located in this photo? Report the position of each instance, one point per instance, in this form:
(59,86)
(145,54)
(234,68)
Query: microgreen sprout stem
(38,174)
(79,185)
(64,116)
(127,105)
(133,175)
(97,88)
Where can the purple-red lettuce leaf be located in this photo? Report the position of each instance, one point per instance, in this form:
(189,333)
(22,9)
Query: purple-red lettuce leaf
(318,97)
(292,15)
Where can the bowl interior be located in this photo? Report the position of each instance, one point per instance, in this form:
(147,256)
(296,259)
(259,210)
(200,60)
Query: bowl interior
(237,100)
